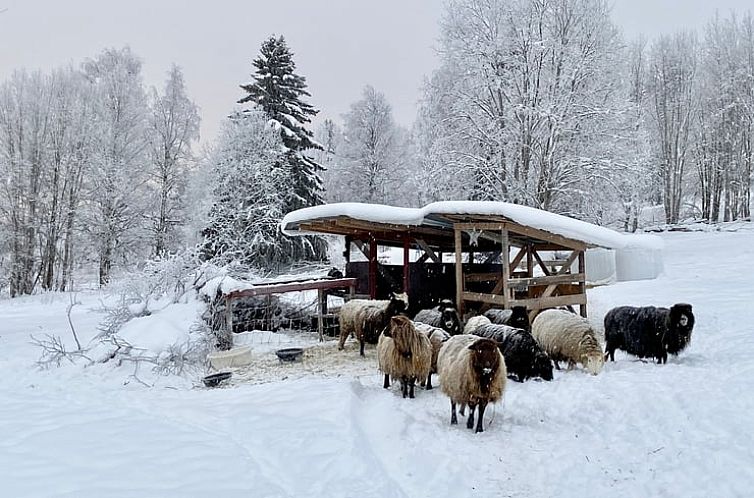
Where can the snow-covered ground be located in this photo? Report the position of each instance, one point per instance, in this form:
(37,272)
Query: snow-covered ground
(327,428)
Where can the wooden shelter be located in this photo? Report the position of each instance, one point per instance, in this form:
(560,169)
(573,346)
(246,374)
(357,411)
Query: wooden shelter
(499,261)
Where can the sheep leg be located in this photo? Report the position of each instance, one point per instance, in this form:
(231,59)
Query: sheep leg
(429,382)
(453,418)
(361,347)
(386,384)
(411,382)
(463,409)
(404,387)
(557,365)
(480,420)
(470,421)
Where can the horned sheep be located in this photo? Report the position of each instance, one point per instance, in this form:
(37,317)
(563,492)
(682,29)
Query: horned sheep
(405,354)
(566,336)
(472,372)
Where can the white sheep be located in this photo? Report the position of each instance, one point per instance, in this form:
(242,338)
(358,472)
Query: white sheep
(566,336)
(474,323)
(367,318)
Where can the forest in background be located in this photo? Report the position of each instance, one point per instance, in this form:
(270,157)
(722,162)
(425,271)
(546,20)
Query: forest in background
(538,102)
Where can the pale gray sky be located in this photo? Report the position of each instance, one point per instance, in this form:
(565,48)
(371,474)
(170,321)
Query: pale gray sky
(340,45)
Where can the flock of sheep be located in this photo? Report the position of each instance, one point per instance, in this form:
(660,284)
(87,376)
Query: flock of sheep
(474,360)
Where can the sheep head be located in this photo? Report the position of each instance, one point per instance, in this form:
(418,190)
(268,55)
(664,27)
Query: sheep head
(401,330)
(542,365)
(485,360)
(398,302)
(519,318)
(451,321)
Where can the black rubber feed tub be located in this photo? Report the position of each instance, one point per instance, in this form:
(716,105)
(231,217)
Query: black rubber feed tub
(289,354)
(215,379)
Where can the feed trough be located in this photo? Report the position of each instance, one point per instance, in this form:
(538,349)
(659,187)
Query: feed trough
(214,380)
(289,354)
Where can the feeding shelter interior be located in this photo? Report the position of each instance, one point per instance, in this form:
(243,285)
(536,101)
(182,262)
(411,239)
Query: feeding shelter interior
(480,254)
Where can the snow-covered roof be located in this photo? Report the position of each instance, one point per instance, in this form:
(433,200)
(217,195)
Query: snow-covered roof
(435,215)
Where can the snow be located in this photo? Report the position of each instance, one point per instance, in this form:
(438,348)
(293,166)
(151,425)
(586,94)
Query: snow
(324,427)
(431,213)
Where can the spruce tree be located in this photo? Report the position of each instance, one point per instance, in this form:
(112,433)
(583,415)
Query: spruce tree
(279,92)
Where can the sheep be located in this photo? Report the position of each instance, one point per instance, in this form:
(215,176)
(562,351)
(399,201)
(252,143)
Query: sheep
(566,336)
(444,316)
(404,353)
(523,356)
(472,372)
(474,323)
(515,317)
(366,319)
(648,332)
(437,338)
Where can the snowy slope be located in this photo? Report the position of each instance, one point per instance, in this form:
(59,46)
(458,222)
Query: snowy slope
(638,429)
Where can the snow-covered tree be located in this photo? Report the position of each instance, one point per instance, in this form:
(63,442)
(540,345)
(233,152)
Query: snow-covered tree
(248,174)
(280,92)
(116,187)
(374,155)
(672,86)
(529,86)
(173,125)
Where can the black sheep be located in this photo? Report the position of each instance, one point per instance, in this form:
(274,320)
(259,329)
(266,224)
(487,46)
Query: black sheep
(648,332)
(444,316)
(523,356)
(516,317)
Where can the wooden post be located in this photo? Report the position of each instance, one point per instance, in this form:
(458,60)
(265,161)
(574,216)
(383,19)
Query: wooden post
(406,263)
(372,268)
(322,303)
(529,260)
(347,251)
(506,257)
(459,272)
(582,285)
(229,314)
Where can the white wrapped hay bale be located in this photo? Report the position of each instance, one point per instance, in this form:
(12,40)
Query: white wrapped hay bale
(232,358)
(600,266)
(640,258)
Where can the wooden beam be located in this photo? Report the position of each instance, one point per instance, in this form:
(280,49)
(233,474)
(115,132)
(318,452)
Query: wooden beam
(582,283)
(321,303)
(479,226)
(529,260)
(459,270)
(273,288)
(540,262)
(347,251)
(406,247)
(372,268)
(428,251)
(563,269)
(481,297)
(546,236)
(482,277)
(518,258)
(539,303)
(506,255)
(363,248)
(523,283)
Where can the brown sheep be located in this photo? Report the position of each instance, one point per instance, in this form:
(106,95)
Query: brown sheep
(403,353)
(472,372)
